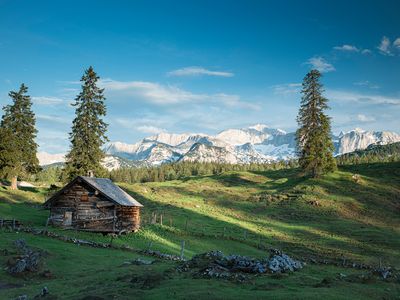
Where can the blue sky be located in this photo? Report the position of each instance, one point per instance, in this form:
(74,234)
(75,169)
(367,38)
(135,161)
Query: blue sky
(201,66)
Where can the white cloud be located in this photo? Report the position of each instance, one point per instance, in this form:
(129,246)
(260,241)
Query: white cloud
(365,119)
(348,48)
(150,129)
(384,46)
(366,51)
(198,71)
(166,94)
(287,88)
(234,101)
(366,83)
(152,92)
(53,118)
(396,43)
(320,64)
(344,96)
(47,100)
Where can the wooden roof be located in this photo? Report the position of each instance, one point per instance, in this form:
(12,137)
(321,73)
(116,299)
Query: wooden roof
(105,187)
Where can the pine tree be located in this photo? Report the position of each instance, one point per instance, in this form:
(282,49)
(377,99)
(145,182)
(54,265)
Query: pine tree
(17,138)
(313,137)
(88,130)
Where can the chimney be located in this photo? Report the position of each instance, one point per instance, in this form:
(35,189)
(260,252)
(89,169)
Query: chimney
(90,173)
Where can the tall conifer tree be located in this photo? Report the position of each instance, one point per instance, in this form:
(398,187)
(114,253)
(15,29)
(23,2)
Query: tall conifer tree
(314,143)
(88,129)
(17,137)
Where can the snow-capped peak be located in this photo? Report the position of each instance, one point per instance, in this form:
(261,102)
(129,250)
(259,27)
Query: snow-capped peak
(259,127)
(48,158)
(255,144)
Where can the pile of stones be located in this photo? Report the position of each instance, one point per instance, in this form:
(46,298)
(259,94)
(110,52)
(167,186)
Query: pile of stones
(161,255)
(28,260)
(215,264)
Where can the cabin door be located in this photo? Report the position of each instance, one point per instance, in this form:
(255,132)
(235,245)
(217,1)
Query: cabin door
(67,218)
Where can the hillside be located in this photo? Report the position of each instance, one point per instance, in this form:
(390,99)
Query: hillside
(332,219)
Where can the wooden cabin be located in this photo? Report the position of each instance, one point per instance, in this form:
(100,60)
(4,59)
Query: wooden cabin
(94,204)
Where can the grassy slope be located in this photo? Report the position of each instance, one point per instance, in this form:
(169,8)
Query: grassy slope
(357,220)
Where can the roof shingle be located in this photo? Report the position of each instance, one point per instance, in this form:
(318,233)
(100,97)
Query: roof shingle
(111,191)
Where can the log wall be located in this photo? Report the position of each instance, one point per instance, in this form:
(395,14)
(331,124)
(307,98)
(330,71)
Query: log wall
(88,210)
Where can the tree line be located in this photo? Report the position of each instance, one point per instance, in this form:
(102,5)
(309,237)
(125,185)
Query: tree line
(166,172)
(183,170)
(88,135)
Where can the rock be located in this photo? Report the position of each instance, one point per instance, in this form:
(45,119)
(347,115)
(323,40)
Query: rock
(44,291)
(138,262)
(162,255)
(29,261)
(383,272)
(356,178)
(21,246)
(280,262)
(283,263)
(215,264)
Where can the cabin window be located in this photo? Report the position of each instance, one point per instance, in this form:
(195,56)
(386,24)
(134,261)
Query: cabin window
(84,198)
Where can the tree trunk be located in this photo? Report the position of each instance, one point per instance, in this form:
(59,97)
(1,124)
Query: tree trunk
(14,185)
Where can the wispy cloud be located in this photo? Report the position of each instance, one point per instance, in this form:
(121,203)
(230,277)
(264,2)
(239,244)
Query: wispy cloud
(396,43)
(150,129)
(234,101)
(347,48)
(367,84)
(42,100)
(153,92)
(320,64)
(385,46)
(159,94)
(364,118)
(199,71)
(53,118)
(366,51)
(352,48)
(345,96)
(287,88)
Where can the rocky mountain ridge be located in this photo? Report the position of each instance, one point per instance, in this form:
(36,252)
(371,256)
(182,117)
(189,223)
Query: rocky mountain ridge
(255,144)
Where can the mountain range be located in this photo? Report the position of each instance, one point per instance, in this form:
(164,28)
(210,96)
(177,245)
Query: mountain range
(255,144)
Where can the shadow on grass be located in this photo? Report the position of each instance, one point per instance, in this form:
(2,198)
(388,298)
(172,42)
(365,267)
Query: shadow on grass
(327,231)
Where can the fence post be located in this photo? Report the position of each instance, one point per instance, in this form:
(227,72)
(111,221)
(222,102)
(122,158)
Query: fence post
(186,224)
(154,218)
(245,234)
(182,248)
(47,224)
(170,222)
(161,219)
(150,245)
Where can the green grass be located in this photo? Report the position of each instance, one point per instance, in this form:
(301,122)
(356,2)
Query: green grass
(358,221)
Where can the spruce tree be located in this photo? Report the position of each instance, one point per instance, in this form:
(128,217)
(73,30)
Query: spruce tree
(17,137)
(88,130)
(314,143)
